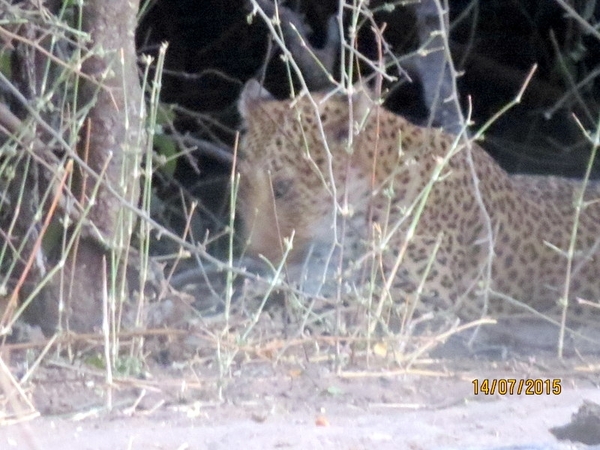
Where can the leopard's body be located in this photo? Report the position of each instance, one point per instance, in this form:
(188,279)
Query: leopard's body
(334,169)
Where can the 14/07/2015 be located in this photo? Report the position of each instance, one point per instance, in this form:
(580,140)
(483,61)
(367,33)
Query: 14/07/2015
(513,386)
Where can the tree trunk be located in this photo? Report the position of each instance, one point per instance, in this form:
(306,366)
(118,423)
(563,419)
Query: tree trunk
(111,141)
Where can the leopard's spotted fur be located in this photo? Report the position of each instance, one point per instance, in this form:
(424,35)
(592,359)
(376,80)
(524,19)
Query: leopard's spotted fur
(337,169)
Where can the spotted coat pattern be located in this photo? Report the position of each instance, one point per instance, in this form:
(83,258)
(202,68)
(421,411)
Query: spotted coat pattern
(339,169)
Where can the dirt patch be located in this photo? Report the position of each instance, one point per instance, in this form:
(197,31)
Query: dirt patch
(300,404)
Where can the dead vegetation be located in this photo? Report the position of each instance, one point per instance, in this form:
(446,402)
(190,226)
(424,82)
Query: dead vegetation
(98,258)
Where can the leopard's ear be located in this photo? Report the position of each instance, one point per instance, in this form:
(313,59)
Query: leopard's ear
(252,94)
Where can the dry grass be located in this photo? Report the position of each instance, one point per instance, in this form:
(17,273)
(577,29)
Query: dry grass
(130,342)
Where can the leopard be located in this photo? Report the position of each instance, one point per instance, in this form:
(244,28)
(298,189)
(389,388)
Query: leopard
(430,217)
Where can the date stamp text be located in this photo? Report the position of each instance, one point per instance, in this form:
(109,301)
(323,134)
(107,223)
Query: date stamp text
(515,386)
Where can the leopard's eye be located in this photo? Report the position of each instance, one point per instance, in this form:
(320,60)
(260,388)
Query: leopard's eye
(281,188)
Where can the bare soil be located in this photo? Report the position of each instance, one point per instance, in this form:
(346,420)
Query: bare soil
(300,402)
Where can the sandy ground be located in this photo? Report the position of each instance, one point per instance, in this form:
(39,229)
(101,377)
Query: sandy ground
(291,406)
(277,394)
(496,423)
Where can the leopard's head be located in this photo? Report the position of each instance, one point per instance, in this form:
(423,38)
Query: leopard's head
(295,168)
